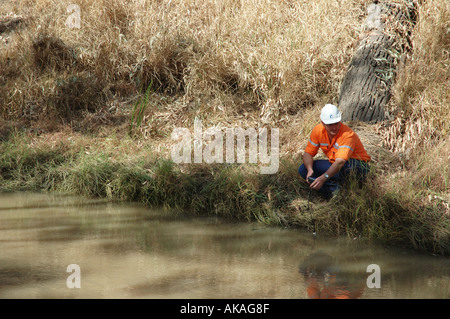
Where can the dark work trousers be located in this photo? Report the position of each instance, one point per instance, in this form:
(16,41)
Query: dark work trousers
(360,168)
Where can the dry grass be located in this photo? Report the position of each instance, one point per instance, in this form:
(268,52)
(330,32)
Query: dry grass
(277,57)
(420,105)
(246,63)
(419,130)
(231,63)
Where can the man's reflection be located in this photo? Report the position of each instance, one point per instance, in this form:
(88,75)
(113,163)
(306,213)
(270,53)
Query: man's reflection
(325,280)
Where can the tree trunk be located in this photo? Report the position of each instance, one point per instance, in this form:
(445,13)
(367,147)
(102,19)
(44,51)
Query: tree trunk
(366,88)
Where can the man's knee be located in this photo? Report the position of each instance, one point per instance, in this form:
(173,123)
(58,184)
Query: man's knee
(302,171)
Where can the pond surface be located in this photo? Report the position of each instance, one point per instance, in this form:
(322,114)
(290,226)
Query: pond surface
(128,251)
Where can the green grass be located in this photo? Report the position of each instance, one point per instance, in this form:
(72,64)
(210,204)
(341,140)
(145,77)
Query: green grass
(139,110)
(372,212)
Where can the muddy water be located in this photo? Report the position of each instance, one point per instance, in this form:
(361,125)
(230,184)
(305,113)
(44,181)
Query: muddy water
(128,251)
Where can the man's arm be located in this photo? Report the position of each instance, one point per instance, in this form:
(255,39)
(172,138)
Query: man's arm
(308,162)
(333,170)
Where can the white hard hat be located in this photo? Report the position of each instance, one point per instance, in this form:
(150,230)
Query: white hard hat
(330,114)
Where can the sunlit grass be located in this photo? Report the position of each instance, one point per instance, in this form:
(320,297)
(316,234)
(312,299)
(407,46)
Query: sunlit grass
(70,96)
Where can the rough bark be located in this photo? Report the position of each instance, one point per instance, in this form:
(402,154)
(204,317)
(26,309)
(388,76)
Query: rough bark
(366,88)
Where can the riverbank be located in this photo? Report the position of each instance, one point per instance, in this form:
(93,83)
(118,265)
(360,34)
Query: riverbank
(380,211)
(91,96)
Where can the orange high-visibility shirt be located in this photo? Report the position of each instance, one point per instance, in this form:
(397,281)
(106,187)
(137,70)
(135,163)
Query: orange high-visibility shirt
(346,144)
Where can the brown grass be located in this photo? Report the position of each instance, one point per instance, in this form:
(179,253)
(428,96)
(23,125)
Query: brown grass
(231,63)
(274,56)
(420,105)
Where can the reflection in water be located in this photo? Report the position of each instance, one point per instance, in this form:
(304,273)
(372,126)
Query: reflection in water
(325,280)
(127,251)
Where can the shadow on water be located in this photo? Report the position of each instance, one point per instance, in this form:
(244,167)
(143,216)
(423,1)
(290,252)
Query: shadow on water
(13,276)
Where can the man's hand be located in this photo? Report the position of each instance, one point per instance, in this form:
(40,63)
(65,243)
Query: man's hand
(309,174)
(308,162)
(333,170)
(318,183)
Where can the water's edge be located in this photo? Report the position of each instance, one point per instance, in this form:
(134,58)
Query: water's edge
(125,250)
